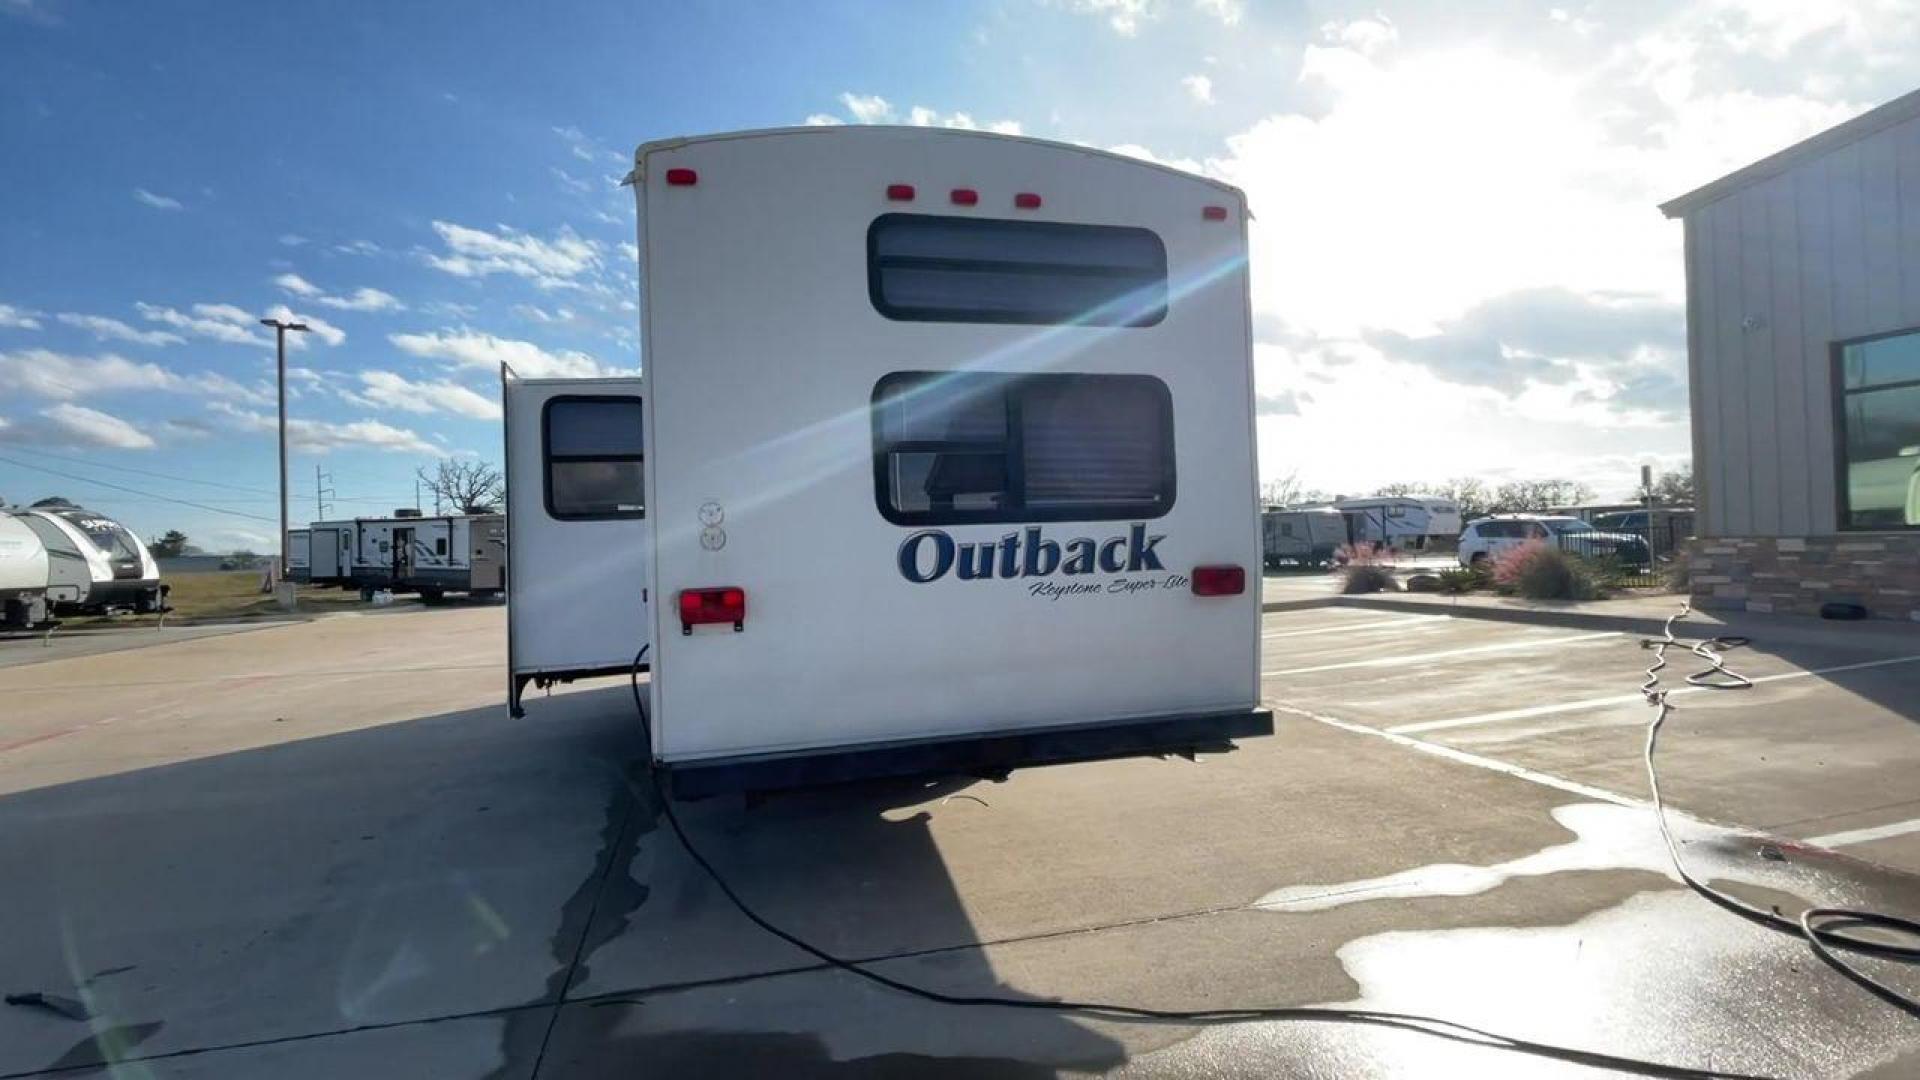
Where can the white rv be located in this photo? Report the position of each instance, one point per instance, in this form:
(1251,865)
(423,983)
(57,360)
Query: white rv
(943,462)
(298,554)
(1403,522)
(23,574)
(94,563)
(432,556)
(1308,537)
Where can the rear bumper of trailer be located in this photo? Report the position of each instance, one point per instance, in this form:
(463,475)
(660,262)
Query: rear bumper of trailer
(985,754)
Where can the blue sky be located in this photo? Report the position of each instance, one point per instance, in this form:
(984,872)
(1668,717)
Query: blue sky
(1455,242)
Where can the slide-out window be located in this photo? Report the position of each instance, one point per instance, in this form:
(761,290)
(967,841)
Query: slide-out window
(925,268)
(974,447)
(594,458)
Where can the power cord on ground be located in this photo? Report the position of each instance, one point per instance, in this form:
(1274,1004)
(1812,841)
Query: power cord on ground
(1424,1025)
(1813,923)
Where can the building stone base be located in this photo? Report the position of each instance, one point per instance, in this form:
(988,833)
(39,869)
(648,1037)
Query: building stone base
(1794,575)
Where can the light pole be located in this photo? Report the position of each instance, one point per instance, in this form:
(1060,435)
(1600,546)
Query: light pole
(280,328)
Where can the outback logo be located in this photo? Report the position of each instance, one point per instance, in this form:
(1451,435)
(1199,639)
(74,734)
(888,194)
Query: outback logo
(930,554)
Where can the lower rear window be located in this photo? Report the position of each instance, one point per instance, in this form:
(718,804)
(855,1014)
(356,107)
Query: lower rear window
(977,447)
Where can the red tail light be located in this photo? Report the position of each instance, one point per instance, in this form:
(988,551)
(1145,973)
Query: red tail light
(965,196)
(1214,213)
(1027,200)
(1219,581)
(700,607)
(900,192)
(682,177)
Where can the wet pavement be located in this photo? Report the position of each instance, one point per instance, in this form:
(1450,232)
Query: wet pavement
(324,849)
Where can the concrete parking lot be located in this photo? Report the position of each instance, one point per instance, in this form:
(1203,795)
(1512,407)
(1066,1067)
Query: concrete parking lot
(323,848)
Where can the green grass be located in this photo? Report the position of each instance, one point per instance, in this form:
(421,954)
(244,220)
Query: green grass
(229,594)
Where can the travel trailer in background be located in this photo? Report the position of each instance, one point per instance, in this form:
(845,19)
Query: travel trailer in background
(944,437)
(298,554)
(23,574)
(1403,523)
(1307,537)
(410,552)
(94,563)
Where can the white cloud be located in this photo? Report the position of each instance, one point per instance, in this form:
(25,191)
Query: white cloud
(1135,150)
(361,299)
(105,329)
(358,247)
(556,263)
(1365,36)
(316,326)
(1199,88)
(292,239)
(297,285)
(48,374)
(386,389)
(18,318)
(216,322)
(91,427)
(586,147)
(868,108)
(468,348)
(822,120)
(1124,16)
(364,299)
(1227,11)
(570,182)
(316,436)
(158,202)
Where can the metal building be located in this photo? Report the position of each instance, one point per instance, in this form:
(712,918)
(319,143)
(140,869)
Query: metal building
(1803,344)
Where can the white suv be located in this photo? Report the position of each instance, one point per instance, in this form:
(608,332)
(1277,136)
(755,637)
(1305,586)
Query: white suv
(1485,538)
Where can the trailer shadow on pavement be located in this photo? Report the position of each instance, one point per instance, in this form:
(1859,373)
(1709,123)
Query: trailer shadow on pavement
(466,895)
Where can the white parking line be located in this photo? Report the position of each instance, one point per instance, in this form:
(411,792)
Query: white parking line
(1404,620)
(1574,787)
(1448,654)
(1623,699)
(1861,836)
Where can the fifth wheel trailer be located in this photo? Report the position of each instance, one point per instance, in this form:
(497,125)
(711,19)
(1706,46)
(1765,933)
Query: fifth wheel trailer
(944,462)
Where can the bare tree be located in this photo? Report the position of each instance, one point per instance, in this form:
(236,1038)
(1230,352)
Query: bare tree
(1674,488)
(470,487)
(1289,491)
(1533,496)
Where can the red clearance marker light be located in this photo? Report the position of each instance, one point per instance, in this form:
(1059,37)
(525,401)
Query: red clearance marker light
(1027,200)
(1219,581)
(682,177)
(700,607)
(900,192)
(965,196)
(1214,213)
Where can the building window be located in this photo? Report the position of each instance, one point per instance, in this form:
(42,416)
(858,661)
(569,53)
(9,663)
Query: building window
(594,458)
(922,268)
(954,448)
(440,545)
(1878,428)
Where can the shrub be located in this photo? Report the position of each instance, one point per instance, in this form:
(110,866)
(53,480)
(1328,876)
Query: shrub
(1364,570)
(1464,580)
(1539,571)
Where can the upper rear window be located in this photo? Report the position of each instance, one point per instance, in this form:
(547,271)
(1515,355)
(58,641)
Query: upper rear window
(923,268)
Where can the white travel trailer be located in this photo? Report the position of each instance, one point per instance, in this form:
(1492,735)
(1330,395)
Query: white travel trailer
(431,556)
(330,547)
(94,563)
(298,554)
(23,574)
(1406,523)
(944,462)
